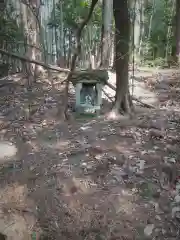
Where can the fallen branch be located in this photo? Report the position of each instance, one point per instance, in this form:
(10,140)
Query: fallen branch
(24,59)
(133,98)
(105,93)
(111,86)
(142,103)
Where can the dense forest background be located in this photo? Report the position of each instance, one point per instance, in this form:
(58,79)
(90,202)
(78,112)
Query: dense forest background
(45,30)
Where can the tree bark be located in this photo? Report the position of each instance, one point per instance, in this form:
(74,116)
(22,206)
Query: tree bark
(123,102)
(137,26)
(142,28)
(177,32)
(69,48)
(168,49)
(114,55)
(31,20)
(62,28)
(28,66)
(107,14)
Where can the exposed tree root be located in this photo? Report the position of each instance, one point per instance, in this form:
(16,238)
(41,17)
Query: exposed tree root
(122,109)
(142,103)
(124,105)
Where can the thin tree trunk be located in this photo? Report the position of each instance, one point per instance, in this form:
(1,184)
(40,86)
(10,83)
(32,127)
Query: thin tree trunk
(169,33)
(62,28)
(31,19)
(137,26)
(177,31)
(142,27)
(106,33)
(64,47)
(123,102)
(150,25)
(29,67)
(114,56)
(55,31)
(69,47)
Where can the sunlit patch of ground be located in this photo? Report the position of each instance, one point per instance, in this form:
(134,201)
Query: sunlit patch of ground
(137,86)
(17,213)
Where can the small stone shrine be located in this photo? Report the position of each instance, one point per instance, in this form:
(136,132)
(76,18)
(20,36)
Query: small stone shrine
(88,90)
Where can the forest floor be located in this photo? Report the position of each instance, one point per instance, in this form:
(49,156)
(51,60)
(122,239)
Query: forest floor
(89,178)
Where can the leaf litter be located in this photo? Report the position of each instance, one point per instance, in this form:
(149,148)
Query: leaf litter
(91,179)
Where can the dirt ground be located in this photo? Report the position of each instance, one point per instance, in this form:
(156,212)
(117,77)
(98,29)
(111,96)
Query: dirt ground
(88,178)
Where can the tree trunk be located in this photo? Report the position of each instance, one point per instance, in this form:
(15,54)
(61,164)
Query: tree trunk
(30,16)
(69,47)
(123,102)
(114,55)
(168,49)
(55,32)
(142,28)
(62,28)
(64,46)
(28,43)
(177,33)
(107,14)
(150,27)
(137,27)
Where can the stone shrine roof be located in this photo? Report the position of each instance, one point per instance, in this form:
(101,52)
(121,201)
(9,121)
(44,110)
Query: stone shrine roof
(90,76)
